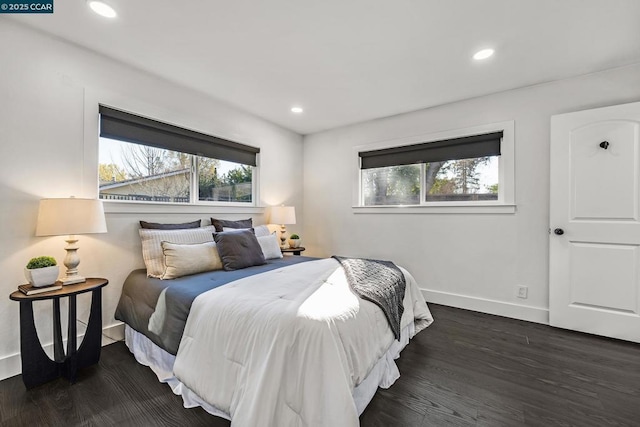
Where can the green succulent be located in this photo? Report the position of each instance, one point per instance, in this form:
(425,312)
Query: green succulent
(41,262)
(294,236)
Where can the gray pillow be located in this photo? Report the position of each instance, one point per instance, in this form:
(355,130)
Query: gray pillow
(219,224)
(238,249)
(158,226)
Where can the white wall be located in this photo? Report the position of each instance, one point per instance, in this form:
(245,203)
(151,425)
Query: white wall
(471,261)
(49,91)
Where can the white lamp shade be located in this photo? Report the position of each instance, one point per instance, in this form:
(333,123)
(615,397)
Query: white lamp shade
(283,215)
(57,217)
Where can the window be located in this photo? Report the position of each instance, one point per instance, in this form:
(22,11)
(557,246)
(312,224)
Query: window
(444,181)
(144,160)
(461,169)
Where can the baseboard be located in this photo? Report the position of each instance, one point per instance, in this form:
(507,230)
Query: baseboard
(11,365)
(113,333)
(483,305)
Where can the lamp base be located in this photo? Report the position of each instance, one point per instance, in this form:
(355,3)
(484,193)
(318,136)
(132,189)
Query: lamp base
(70,280)
(71,261)
(283,237)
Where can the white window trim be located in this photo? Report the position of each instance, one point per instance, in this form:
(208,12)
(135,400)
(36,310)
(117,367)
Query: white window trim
(506,202)
(90,156)
(128,207)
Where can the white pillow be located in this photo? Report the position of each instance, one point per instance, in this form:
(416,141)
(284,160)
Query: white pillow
(270,246)
(152,244)
(259,231)
(185,259)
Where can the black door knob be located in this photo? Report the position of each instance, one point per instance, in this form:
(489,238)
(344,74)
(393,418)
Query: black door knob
(558,231)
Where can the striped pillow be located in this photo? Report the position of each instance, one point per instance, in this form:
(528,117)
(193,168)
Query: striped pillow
(152,244)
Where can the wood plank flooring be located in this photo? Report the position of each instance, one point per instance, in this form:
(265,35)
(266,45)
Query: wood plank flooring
(467,369)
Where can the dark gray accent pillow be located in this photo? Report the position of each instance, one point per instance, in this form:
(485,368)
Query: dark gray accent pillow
(219,224)
(239,249)
(158,226)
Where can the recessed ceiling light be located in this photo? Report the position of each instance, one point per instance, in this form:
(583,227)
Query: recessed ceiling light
(102,9)
(297,110)
(483,54)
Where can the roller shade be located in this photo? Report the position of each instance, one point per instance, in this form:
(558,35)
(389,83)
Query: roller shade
(117,124)
(466,147)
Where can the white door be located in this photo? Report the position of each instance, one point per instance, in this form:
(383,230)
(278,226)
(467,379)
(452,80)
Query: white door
(594,283)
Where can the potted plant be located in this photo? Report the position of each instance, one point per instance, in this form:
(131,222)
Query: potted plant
(42,271)
(294,241)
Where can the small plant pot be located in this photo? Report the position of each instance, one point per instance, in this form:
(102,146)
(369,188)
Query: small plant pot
(294,243)
(42,276)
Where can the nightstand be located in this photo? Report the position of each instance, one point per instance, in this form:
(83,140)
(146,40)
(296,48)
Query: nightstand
(37,367)
(295,251)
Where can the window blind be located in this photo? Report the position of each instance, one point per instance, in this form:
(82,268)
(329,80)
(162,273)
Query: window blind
(124,126)
(466,147)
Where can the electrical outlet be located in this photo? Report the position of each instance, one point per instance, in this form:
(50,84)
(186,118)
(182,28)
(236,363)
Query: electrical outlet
(522,292)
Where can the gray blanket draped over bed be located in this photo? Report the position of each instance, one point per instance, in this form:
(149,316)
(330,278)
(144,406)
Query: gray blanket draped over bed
(380,282)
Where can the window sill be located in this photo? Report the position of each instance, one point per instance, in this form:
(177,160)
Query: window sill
(119,207)
(438,209)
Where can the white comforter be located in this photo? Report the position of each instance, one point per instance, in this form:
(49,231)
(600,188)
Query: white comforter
(287,347)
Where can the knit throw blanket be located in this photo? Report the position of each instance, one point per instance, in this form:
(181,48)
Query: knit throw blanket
(380,282)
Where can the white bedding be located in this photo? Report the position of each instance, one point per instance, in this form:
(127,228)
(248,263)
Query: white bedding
(383,374)
(288,347)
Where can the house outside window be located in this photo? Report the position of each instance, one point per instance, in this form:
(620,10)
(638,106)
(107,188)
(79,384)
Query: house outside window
(139,162)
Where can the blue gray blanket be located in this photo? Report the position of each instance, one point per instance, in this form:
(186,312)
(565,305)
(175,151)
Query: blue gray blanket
(380,282)
(140,296)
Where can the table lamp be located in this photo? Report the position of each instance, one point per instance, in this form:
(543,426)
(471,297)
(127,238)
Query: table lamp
(70,216)
(283,215)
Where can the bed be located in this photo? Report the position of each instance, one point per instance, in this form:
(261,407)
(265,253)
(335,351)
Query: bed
(286,343)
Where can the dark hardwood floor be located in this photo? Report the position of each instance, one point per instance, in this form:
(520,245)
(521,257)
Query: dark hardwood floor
(466,369)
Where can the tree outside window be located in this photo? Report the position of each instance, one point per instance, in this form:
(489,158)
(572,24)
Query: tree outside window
(453,180)
(138,172)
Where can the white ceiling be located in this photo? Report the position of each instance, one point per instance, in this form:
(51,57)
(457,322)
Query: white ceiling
(347,61)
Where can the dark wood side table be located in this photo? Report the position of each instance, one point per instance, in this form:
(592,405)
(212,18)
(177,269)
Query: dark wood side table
(295,251)
(37,367)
